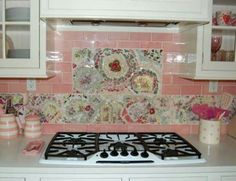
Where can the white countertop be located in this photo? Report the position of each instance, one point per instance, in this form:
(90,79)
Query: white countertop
(221,157)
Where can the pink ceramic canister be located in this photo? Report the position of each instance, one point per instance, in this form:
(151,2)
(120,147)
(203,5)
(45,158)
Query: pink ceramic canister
(8,126)
(223,18)
(32,126)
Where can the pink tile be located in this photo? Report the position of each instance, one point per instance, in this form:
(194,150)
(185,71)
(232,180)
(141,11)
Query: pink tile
(171,90)
(94,128)
(225,82)
(173,47)
(72,35)
(105,44)
(150,44)
(176,37)
(95,36)
(67,77)
(56,79)
(75,127)
(64,67)
(223,129)
(118,36)
(67,56)
(128,44)
(12,81)
(51,128)
(182,81)
(63,45)
(194,129)
(161,37)
(170,68)
(114,128)
(149,128)
(167,79)
(4,87)
(44,88)
(230,89)
(83,44)
(62,88)
(182,129)
(191,90)
(16,88)
(140,36)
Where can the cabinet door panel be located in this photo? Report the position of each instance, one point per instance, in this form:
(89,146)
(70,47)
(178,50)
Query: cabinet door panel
(158,9)
(194,178)
(78,179)
(230,178)
(11,179)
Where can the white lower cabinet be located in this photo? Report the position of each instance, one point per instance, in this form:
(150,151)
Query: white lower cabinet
(228,178)
(80,179)
(193,178)
(11,179)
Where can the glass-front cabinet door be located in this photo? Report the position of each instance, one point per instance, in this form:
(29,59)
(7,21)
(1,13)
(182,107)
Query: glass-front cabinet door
(220,37)
(19,34)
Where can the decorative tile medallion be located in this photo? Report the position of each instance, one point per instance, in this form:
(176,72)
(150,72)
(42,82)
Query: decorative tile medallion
(117,70)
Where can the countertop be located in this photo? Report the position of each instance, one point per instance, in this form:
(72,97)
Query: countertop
(220,157)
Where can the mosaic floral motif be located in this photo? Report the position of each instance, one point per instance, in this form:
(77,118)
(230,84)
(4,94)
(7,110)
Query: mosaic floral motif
(87,79)
(47,106)
(112,70)
(139,111)
(126,109)
(144,81)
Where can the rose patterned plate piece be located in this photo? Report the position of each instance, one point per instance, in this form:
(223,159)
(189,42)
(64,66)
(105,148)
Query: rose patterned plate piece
(144,81)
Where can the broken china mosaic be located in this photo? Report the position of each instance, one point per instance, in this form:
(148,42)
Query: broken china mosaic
(89,109)
(108,70)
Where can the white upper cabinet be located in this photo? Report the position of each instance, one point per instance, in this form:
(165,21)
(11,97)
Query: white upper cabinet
(211,48)
(20,39)
(165,10)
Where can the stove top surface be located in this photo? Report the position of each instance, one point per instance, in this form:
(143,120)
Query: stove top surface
(84,148)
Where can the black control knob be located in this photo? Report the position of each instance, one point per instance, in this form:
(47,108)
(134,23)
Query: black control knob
(124,152)
(104,154)
(114,152)
(144,154)
(134,152)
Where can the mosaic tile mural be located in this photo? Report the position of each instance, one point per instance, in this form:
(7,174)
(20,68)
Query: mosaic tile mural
(91,109)
(117,70)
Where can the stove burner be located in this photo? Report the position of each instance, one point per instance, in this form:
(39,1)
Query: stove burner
(170,153)
(139,147)
(74,141)
(159,141)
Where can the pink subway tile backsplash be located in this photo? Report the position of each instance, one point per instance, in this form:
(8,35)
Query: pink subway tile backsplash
(171,85)
(191,90)
(140,36)
(94,36)
(165,37)
(118,36)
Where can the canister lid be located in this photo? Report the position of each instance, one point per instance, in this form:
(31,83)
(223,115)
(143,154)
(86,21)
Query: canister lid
(32,117)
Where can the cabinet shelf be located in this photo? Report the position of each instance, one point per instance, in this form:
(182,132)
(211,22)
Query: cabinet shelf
(16,23)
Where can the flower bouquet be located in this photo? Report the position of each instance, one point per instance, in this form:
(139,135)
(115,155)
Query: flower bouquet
(210,113)
(209,130)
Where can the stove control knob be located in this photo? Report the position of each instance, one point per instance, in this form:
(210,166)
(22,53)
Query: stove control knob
(134,152)
(124,152)
(104,154)
(114,152)
(144,154)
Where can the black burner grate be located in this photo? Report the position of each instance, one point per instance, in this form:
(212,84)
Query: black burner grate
(82,145)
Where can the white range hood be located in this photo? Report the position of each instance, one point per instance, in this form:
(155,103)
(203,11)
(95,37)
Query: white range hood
(140,13)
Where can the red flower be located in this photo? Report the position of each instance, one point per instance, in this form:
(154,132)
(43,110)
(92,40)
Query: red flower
(87,108)
(152,111)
